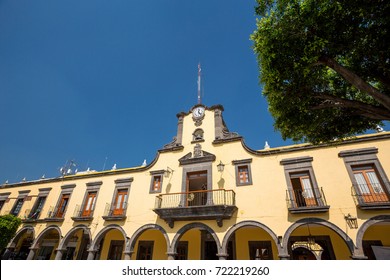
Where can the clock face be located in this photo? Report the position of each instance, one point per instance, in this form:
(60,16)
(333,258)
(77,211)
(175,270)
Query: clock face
(198,112)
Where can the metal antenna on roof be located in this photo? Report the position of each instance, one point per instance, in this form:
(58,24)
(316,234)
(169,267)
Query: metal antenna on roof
(67,168)
(104,165)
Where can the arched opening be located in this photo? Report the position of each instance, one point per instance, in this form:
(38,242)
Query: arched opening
(46,244)
(322,239)
(196,241)
(110,244)
(251,243)
(76,244)
(250,240)
(303,252)
(150,245)
(20,245)
(376,241)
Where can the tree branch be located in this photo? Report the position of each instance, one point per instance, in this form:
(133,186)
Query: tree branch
(356,81)
(368,110)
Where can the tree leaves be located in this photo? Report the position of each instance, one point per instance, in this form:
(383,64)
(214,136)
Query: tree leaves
(324,66)
(8,227)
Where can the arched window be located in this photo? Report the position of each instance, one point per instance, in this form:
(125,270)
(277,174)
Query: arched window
(198,135)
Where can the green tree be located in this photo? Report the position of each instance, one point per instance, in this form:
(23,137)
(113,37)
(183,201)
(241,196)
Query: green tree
(324,65)
(9,224)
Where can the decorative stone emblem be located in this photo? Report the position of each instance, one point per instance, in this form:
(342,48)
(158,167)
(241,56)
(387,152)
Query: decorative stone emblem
(198,151)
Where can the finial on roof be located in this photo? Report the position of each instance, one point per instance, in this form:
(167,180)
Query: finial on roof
(113,167)
(266,146)
(379,129)
(144,163)
(43,176)
(24,179)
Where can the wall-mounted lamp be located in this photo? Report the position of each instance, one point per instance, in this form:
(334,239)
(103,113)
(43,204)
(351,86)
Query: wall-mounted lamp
(351,221)
(280,239)
(168,172)
(220,166)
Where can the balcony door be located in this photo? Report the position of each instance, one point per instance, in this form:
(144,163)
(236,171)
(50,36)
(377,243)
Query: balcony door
(89,204)
(196,194)
(120,202)
(62,206)
(369,184)
(303,190)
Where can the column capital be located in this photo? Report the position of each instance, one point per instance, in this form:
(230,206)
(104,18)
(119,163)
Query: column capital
(284,256)
(222,256)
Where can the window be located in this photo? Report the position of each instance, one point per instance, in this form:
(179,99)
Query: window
(368,184)
(302,189)
(17,206)
(3,199)
(85,211)
(116,250)
(145,250)
(156,181)
(89,204)
(118,207)
(367,248)
(62,206)
(182,250)
(243,172)
(260,250)
(37,209)
(57,213)
(303,193)
(19,202)
(120,203)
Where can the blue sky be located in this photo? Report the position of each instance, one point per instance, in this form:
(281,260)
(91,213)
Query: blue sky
(100,82)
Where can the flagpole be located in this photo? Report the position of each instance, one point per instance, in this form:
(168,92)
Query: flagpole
(199,80)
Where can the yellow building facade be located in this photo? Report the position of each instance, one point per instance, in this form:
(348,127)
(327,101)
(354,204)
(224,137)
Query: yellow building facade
(207,195)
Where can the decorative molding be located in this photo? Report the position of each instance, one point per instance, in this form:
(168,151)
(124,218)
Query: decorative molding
(157,172)
(207,212)
(172,144)
(358,152)
(202,156)
(124,180)
(241,161)
(312,209)
(94,184)
(69,186)
(296,160)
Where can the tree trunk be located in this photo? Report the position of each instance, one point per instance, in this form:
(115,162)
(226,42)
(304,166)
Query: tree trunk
(356,81)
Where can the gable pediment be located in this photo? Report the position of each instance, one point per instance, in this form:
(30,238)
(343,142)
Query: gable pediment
(197,157)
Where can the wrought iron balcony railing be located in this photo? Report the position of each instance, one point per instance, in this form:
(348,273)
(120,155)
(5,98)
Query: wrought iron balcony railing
(196,198)
(196,205)
(81,214)
(55,214)
(115,212)
(373,196)
(300,201)
(31,215)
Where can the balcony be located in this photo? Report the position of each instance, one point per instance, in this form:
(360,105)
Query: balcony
(114,212)
(196,205)
(31,216)
(306,201)
(370,197)
(55,214)
(81,214)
